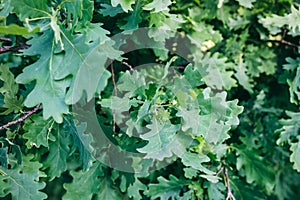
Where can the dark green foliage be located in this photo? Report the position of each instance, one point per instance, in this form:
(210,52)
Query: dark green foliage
(153,99)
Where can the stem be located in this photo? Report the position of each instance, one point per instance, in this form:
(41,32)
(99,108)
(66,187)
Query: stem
(128,65)
(282,41)
(116,93)
(227,181)
(20,119)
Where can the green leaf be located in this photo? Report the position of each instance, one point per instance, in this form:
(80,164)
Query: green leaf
(23,181)
(135,188)
(134,19)
(255,169)
(81,61)
(84,184)
(108,10)
(160,138)
(166,189)
(295,156)
(9,90)
(14,29)
(274,22)
(195,161)
(5,9)
(290,128)
(203,125)
(158,5)
(293,65)
(215,190)
(83,64)
(3,156)
(107,192)
(93,32)
(246,3)
(14,150)
(125,4)
(38,131)
(48,91)
(242,77)
(58,151)
(131,82)
(214,71)
(82,142)
(78,10)
(30,8)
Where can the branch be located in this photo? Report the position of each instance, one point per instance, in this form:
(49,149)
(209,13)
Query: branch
(21,119)
(115,92)
(129,66)
(227,181)
(282,41)
(5,48)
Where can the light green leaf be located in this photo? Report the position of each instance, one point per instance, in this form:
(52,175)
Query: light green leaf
(213,69)
(158,5)
(195,161)
(293,65)
(275,22)
(160,138)
(295,156)
(190,172)
(246,3)
(203,125)
(130,83)
(290,128)
(125,4)
(135,188)
(93,32)
(242,76)
(215,190)
(14,29)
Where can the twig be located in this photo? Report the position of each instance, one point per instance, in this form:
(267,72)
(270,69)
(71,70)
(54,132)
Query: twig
(128,65)
(5,39)
(282,41)
(21,119)
(5,49)
(220,171)
(113,79)
(227,181)
(116,93)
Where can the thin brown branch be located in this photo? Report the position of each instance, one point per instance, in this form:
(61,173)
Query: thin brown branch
(227,181)
(220,171)
(115,92)
(3,39)
(128,65)
(282,41)
(5,49)
(21,119)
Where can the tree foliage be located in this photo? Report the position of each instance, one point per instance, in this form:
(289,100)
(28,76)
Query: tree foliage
(154,99)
